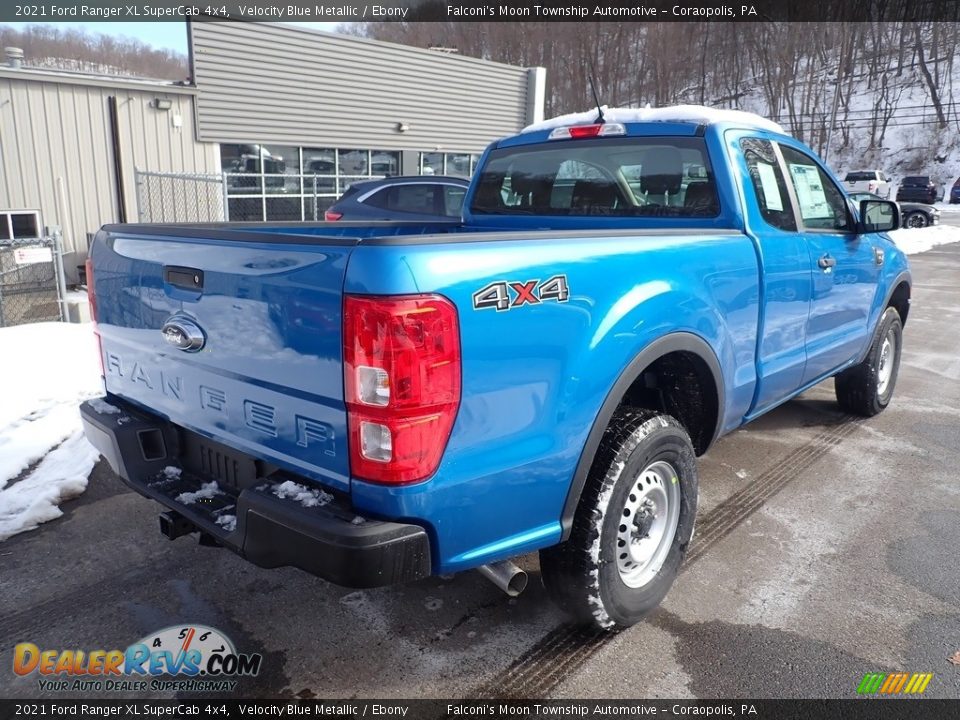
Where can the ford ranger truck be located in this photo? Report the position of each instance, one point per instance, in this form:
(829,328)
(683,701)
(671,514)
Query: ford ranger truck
(379,402)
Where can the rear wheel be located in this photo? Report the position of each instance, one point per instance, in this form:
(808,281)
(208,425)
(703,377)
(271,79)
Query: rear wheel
(632,526)
(867,388)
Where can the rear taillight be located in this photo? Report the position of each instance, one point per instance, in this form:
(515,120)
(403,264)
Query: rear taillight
(401,384)
(92,301)
(330,216)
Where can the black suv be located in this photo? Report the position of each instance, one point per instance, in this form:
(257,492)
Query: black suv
(918,188)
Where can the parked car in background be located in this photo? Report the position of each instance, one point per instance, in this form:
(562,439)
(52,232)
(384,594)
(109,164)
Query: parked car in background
(412,197)
(955,192)
(869,181)
(912,215)
(919,188)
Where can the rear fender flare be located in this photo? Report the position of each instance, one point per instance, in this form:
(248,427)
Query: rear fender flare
(674,342)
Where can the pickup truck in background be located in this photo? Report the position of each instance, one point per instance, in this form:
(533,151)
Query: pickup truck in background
(871,181)
(378,402)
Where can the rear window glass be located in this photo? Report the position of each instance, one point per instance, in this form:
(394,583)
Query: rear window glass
(916,180)
(628,177)
(860,176)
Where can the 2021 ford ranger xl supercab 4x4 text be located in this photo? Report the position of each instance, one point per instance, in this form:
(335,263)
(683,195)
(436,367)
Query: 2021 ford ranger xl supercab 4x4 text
(376,403)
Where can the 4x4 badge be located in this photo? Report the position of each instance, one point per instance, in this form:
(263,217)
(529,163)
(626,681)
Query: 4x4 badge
(503,295)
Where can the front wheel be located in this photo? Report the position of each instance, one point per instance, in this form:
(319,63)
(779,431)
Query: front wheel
(632,526)
(867,388)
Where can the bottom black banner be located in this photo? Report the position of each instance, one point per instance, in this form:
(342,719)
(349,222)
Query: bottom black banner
(860,709)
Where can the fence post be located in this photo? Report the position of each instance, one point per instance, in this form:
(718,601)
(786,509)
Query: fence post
(138,183)
(226,206)
(314,197)
(58,269)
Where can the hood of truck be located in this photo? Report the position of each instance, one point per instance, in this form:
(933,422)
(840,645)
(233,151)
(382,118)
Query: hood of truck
(267,376)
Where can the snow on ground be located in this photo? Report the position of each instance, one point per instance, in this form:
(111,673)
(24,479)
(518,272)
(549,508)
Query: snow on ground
(922,239)
(46,370)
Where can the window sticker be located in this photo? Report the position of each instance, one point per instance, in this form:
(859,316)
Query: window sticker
(771,191)
(810,195)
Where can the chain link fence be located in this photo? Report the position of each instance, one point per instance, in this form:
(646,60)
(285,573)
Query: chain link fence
(164,197)
(180,197)
(32,285)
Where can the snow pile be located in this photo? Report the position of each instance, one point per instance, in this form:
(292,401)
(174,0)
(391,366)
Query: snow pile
(227,522)
(103,407)
(922,239)
(47,369)
(60,476)
(206,492)
(682,113)
(301,494)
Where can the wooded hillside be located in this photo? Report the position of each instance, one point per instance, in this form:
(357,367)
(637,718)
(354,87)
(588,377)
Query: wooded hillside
(73,49)
(891,75)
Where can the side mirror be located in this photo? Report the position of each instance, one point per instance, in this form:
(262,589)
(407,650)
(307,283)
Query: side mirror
(878,216)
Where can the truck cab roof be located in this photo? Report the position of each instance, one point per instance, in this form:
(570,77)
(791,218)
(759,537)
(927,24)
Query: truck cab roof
(695,114)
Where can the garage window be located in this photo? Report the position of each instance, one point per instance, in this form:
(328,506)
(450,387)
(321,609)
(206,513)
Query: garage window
(19,224)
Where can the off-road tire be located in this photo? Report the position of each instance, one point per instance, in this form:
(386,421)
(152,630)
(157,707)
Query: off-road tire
(582,575)
(860,389)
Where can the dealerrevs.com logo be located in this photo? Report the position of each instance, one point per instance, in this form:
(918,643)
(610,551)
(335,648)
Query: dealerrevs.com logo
(192,658)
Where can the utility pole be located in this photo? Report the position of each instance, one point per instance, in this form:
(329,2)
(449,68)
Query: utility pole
(836,95)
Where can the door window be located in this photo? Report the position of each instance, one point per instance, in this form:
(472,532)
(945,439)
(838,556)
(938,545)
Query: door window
(822,205)
(769,187)
(453,200)
(413,198)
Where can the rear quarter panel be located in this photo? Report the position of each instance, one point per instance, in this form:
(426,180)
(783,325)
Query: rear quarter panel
(535,376)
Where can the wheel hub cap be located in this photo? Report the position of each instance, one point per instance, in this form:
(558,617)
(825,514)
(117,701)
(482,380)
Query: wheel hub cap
(648,524)
(885,363)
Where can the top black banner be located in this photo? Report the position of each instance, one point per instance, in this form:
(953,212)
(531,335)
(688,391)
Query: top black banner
(479,11)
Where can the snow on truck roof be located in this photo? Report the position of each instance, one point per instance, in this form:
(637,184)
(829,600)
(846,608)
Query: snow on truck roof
(675,113)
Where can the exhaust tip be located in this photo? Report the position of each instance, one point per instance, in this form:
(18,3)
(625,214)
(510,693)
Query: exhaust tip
(506,576)
(517,584)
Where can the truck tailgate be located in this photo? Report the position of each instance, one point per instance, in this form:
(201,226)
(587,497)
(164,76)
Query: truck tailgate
(268,378)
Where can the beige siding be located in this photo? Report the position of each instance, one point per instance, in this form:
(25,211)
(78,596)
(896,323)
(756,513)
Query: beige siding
(267,83)
(51,129)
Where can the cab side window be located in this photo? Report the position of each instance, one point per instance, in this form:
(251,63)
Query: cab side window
(822,205)
(769,186)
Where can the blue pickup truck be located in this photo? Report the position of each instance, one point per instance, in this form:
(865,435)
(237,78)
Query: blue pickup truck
(376,403)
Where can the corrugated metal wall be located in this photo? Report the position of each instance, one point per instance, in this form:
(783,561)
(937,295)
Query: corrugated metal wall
(266,83)
(51,129)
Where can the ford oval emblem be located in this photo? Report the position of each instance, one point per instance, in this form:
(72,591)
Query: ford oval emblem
(183,333)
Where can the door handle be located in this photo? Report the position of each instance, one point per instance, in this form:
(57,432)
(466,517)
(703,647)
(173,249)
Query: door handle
(826,262)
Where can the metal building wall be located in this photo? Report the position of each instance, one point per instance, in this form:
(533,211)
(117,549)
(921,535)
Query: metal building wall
(55,126)
(267,83)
